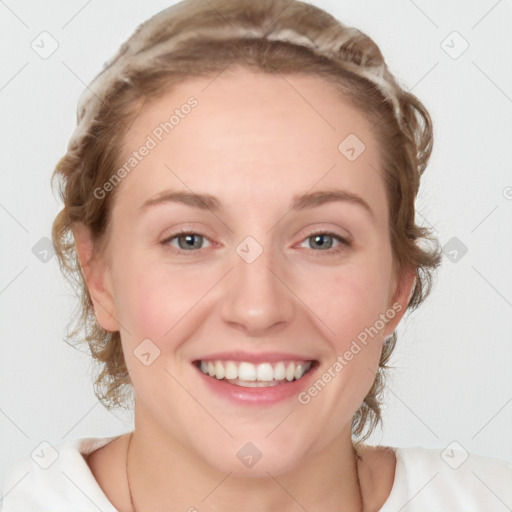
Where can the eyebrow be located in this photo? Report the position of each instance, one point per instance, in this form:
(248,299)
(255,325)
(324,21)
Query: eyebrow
(298,203)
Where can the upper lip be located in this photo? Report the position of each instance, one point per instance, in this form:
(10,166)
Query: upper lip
(255,358)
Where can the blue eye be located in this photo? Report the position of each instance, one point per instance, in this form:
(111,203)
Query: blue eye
(324,241)
(186,241)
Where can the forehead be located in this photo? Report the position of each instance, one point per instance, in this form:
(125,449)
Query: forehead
(252,137)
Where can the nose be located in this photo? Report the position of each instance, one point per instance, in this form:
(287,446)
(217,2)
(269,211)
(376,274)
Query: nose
(258,299)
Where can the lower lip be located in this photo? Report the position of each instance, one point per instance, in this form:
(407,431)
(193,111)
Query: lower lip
(266,395)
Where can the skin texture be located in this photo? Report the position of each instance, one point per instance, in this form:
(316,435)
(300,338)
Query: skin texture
(255,142)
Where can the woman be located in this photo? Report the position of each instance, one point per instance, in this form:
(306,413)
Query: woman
(240,193)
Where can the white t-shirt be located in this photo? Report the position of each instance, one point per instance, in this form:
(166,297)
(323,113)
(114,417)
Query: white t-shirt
(58,479)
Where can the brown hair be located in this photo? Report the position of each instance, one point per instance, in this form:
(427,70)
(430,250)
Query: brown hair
(193,39)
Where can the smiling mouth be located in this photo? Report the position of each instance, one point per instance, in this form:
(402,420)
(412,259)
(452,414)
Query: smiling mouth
(245,374)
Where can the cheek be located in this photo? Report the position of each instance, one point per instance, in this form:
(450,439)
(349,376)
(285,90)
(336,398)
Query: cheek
(350,299)
(352,304)
(156,301)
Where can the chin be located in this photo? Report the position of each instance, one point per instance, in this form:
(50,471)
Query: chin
(254,458)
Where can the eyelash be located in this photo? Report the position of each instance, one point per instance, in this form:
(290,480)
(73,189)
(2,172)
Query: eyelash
(343,242)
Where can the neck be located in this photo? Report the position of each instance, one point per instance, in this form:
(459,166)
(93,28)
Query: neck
(326,480)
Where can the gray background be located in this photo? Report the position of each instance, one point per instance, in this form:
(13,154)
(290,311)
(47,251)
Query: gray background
(452,380)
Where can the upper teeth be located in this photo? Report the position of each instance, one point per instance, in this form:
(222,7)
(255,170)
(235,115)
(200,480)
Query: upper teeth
(264,372)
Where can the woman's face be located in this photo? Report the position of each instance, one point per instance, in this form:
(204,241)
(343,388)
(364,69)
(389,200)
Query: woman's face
(285,265)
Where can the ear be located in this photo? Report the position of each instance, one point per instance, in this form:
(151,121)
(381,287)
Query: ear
(403,287)
(97,278)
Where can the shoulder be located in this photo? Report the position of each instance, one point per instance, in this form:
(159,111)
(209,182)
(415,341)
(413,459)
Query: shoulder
(56,478)
(449,479)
